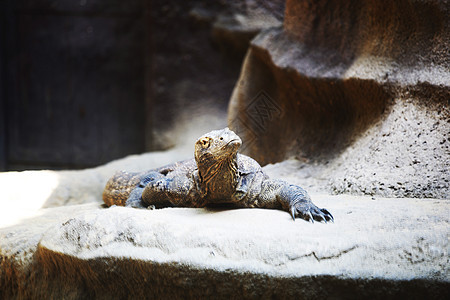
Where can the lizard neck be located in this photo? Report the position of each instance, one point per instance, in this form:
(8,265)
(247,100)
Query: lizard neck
(218,179)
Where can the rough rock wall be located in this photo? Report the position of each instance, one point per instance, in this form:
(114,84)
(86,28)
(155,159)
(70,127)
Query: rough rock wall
(358,91)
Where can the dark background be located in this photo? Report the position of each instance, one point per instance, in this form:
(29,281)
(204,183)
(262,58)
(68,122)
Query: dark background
(73,82)
(85,82)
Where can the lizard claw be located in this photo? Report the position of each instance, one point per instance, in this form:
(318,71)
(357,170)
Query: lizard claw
(293,212)
(310,217)
(325,214)
(309,212)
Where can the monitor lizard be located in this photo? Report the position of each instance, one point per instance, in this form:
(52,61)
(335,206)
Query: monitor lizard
(217,176)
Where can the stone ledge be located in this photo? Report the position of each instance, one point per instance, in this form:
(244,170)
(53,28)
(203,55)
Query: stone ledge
(383,247)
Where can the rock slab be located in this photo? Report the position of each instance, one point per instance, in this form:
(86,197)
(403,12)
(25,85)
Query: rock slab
(375,248)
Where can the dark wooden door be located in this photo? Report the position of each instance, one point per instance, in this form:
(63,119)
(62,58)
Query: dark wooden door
(73,82)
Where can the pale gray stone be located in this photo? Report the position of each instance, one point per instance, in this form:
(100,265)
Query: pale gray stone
(86,250)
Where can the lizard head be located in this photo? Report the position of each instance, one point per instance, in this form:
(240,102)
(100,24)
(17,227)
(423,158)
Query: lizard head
(216,146)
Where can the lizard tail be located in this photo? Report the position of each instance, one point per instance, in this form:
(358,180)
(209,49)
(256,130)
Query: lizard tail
(119,187)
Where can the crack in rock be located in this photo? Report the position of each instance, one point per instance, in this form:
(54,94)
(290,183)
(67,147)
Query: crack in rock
(318,258)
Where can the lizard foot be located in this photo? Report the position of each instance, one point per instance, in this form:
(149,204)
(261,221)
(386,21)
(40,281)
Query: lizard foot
(309,212)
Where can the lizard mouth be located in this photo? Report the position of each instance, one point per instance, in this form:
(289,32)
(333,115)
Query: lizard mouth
(233,141)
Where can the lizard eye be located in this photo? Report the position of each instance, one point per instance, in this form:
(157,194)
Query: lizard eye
(221,138)
(204,142)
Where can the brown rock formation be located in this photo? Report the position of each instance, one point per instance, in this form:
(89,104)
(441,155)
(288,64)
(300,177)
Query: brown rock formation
(335,74)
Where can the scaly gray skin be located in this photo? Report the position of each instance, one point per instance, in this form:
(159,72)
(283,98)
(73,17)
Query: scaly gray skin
(217,176)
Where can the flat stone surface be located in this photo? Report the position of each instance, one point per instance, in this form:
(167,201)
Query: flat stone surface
(386,238)
(89,251)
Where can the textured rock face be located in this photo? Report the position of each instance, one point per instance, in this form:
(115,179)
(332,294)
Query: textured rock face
(357,91)
(86,251)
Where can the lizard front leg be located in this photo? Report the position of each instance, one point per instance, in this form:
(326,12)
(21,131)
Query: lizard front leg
(171,191)
(135,197)
(291,198)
